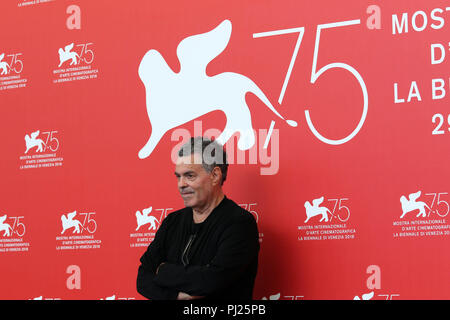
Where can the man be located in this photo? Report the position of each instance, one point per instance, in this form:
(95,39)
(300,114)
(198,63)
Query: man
(210,248)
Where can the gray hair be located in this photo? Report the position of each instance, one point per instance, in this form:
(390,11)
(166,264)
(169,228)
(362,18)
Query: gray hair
(213,154)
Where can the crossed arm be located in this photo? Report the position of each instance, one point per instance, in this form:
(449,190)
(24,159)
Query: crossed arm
(150,262)
(158,279)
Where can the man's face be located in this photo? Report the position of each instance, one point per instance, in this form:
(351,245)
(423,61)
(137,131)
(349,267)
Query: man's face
(194,182)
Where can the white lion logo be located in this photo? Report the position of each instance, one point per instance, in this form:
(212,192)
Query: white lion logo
(69,222)
(144,218)
(411,204)
(314,210)
(3,65)
(273,297)
(176,98)
(31,142)
(66,54)
(366,296)
(5,227)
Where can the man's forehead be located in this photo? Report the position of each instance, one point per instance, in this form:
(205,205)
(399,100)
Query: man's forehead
(189,159)
(189,163)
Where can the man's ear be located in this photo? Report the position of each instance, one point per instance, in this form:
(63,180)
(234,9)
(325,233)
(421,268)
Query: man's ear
(216,175)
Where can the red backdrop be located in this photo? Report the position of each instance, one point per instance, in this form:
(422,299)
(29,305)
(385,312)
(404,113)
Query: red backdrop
(373,78)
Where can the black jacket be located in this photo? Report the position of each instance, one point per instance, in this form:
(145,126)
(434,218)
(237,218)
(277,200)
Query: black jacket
(219,262)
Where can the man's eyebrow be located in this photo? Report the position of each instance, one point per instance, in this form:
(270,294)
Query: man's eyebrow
(185,173)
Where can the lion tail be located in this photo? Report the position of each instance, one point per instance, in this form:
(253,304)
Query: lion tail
(253,88)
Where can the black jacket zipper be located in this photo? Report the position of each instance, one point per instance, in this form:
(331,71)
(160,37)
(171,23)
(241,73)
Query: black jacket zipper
(185,255)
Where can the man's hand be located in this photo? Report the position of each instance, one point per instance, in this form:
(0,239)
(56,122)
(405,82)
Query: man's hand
(185,296)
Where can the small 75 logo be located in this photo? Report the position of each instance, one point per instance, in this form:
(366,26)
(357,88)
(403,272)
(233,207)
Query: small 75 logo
(85,55)
(327,215)
(411,204)
(68,222)
(17,227)
(15,64)
(51,141)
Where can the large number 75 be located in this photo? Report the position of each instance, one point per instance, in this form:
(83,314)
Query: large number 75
(315,74)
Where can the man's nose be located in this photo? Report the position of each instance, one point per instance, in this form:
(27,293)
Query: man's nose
(182,183)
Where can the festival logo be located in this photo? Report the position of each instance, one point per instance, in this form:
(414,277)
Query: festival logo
(41,150)
(32,141)
(67,54)
(273,297)
(315,209)
(11,69)
(5,227)
(422,216)
(68,222)
(410,204)
(251,207)
(12,233)
(365,296)
(143,235)
(76,62)
(145,218)
(178,98)
(326,223)
(78,232)
(4,66)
